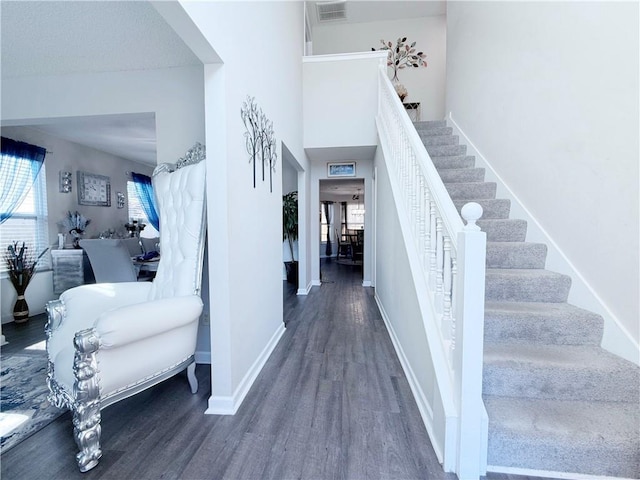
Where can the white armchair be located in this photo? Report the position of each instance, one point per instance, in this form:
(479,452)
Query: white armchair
(108,341)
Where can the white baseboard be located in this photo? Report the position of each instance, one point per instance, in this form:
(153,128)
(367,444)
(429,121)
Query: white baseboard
(304,291)
(616,338)
(203,357)
(228,405)
(316,283)
(367,283)
(426,412)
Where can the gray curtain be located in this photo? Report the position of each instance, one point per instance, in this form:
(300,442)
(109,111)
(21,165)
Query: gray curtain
(344,218)
(327,216)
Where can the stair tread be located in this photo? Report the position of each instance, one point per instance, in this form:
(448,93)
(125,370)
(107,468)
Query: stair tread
(524,272)
(541,323)
(612,418)
(596,438)
(579,357)
(537,308)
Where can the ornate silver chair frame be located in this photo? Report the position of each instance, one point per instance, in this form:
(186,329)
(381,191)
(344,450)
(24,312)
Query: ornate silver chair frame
(120,339)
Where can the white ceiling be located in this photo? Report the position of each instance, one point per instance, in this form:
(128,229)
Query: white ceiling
(58,37)
(345,186)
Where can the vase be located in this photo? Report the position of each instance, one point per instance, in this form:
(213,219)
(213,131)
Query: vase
(20,309)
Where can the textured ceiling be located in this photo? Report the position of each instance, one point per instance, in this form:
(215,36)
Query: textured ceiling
(57,37)
(62,37)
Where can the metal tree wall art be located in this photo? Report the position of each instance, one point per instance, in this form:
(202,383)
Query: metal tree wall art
(402,56)
(259,139)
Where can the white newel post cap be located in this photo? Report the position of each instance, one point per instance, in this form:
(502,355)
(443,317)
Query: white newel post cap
(471,212)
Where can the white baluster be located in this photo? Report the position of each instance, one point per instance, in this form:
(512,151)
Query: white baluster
(439,265)
(432,245)
(454,316)
(446,300)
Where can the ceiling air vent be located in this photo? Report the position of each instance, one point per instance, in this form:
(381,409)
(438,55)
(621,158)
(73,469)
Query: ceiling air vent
(329,11)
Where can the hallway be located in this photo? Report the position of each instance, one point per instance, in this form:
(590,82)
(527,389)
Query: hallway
(331,402)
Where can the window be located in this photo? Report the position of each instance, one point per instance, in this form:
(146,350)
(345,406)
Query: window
(136,211)
(29,222)
(355,216)
(324,226)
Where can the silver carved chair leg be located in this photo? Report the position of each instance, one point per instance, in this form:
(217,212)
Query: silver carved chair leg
(191,376)
(86,413)
(109,341)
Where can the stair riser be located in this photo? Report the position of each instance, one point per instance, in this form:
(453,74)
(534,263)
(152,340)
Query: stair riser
(456,161)
(515,288)
(491,209)
(506,230)
(442,150)
(554,382)
(525,452)
(434,131)
(549,331)
(522,255)
(434,140)
(461,175)
(585,438)
(471,191)
(427,124)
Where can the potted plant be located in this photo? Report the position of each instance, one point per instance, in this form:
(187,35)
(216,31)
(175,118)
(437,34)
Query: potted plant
(290,232)
(21,265)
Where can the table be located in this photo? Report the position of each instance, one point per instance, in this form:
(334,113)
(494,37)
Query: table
(70,268)
(413,109)
(146,268)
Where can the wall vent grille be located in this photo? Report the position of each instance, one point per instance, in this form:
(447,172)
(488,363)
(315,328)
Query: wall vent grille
(330,11)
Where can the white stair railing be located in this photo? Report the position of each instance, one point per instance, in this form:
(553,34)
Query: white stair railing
(452,258)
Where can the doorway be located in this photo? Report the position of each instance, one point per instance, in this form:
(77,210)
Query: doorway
(342,222)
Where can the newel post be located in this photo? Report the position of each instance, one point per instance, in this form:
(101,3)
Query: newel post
(472,428)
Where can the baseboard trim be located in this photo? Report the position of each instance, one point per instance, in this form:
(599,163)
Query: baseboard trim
(367,283)
(203,357)
(425,409)
(304,291)
(228,405)
(549,474)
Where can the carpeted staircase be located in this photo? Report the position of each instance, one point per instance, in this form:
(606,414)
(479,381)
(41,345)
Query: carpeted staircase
(556,401)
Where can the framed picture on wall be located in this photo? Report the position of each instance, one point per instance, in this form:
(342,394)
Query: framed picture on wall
(94,189)
(347,169)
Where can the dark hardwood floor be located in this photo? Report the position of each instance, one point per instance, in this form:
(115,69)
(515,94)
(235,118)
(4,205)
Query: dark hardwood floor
(332,402)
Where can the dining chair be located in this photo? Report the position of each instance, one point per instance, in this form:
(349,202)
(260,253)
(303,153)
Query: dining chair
(110,260)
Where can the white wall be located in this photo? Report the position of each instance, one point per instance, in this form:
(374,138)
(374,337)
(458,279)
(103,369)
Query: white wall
(364,170)
(425,85)
(398,301)
(260,45)
(548,92)
(69,156)
(341,99)
(175,95)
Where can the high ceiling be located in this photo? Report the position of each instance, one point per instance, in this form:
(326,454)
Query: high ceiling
(60,37)
(360,11)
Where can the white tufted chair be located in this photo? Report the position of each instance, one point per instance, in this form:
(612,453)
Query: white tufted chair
(108,341)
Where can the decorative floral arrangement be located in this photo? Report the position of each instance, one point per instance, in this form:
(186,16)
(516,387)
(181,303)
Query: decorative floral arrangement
(401,90)
(403,56)
(21,265)
(75,224)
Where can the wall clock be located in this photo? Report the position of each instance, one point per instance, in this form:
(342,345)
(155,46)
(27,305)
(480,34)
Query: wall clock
(94,189)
